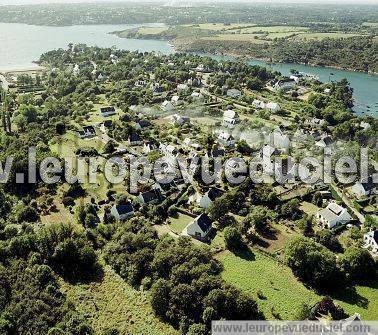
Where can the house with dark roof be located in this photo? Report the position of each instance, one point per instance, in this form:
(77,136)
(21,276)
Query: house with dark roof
(134,139)
(107,111)
(122,212)
(143,124)
(107,124)
(364,188)
(86,132)
(150,197)
(217,152)
(207,199)
(324,142)
(200,227)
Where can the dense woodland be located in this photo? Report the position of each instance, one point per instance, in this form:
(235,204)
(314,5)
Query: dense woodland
(182,279)
(356,53)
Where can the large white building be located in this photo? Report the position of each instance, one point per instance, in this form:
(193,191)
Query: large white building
(333,215)
(371,242)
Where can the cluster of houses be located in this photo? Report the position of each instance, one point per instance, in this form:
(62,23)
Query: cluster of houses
(330,217)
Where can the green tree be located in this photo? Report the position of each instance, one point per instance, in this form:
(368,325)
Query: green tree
(232,238)
(358,264)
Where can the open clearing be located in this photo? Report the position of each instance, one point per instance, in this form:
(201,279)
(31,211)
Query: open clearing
(283,293)
(151,30)
(220,26)
(237,37)
(272,29)
(112,303)
(178,224)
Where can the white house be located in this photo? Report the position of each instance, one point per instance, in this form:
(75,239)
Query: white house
(364,188)
(233,93)
(197,96)
(140,83)
(279,140)
(200,68)
(314,122)
(166,106)
(199,228)
(176,100)
(207,199)
(86,132)
(333,215)
(177,119)
(273,106)
(285,85)
(258,104)
(365,125)
(107,111)
(226,139)
(182,87)
(371,242)
(324,142)
(169,149)
(230,118)
(122,212)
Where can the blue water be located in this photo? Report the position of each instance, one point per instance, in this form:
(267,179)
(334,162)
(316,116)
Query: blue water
(365,85)
(21,44)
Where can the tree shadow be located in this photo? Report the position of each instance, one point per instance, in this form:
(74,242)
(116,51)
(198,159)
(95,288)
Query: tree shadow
(350,296)
(270,233)
(245,253)
(94,275)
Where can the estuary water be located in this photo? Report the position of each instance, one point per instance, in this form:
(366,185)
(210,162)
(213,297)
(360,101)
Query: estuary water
(21,44)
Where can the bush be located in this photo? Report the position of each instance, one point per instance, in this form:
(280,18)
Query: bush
(233,238)
(68,201)
(313,263)
(358,264)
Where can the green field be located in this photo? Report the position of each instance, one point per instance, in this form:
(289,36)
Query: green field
(111,303)
(151,30)
(272,29)
(237,37)
(284,293)
(178,224)
(220,26)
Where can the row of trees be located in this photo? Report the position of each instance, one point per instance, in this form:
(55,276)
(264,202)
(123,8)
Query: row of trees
(319,267)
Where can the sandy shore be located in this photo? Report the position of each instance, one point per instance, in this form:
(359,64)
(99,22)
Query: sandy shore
(21,69)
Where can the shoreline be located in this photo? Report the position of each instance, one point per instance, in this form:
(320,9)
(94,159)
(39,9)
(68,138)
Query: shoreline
(239,55)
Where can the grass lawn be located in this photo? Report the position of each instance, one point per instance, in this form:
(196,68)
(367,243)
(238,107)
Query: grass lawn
(112,303)
(284,293)
(178,224)
(236,37)
(220,26)
(283,34)
(273,29)
(309,208)
(151,30)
